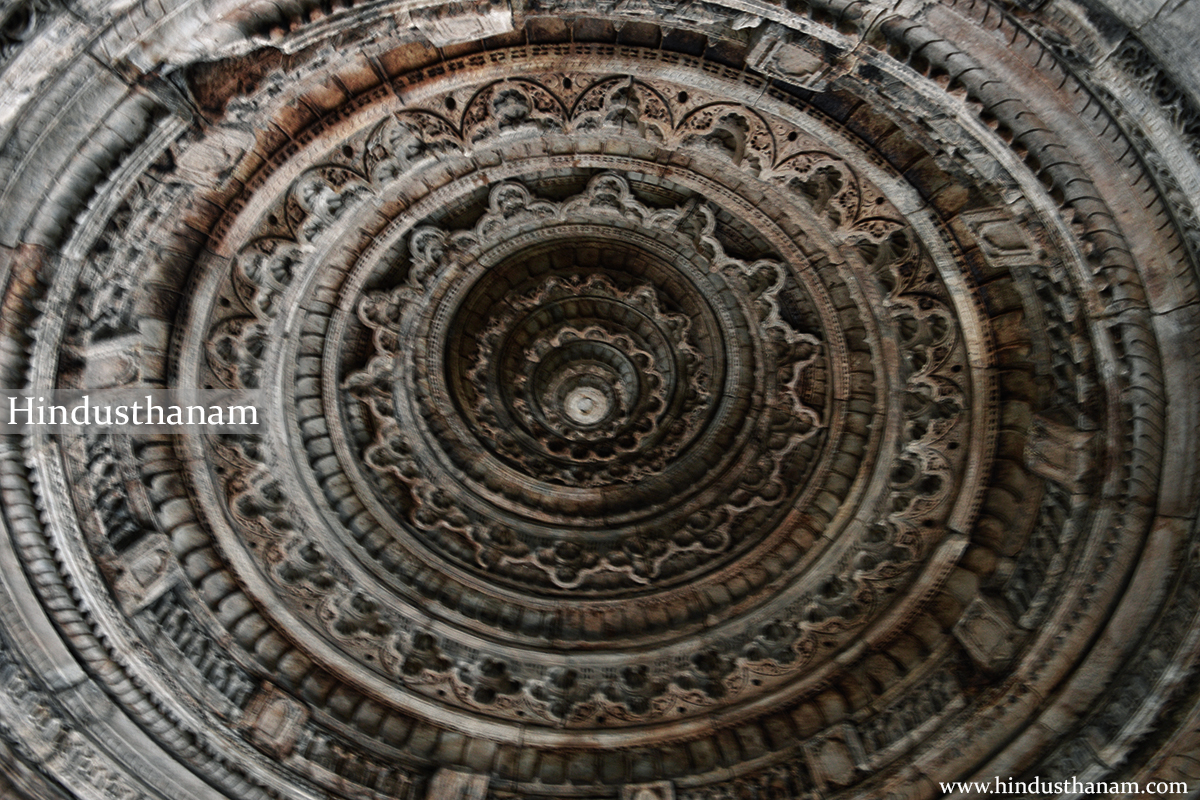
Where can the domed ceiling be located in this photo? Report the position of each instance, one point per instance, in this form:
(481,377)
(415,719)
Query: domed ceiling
(659,399)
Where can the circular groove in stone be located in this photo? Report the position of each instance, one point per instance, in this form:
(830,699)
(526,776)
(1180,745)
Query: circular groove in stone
(906,301)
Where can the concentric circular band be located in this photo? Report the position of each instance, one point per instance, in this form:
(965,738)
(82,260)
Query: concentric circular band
(658,398)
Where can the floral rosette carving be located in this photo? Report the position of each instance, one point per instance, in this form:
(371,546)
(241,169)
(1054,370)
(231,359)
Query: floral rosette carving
(664,399)
(594,372)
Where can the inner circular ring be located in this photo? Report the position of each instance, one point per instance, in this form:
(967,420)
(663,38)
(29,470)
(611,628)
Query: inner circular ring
(585,405)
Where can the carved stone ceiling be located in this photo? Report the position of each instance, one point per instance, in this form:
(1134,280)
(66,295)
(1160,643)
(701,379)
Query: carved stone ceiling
(739,399)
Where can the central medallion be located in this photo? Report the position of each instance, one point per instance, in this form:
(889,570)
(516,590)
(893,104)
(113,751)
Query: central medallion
(581,381)
(567,394)
(586,405)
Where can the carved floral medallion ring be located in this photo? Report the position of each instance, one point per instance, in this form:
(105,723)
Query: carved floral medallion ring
(602,384)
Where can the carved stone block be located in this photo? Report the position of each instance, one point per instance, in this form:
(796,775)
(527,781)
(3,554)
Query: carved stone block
(835,757)
(274,720)
(1003,241)
(449,784)
(443,28)
(144,573)
(1059,452)
(987,633)
(658,790)
(803,64)
(112,362)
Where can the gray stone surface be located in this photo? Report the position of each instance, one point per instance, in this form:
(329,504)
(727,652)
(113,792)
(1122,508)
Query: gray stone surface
(663,400)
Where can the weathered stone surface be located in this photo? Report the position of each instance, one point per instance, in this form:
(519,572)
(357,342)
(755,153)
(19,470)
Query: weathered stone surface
(693,400)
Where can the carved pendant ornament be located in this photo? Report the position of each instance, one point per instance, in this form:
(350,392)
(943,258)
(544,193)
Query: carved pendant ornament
(661,399)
